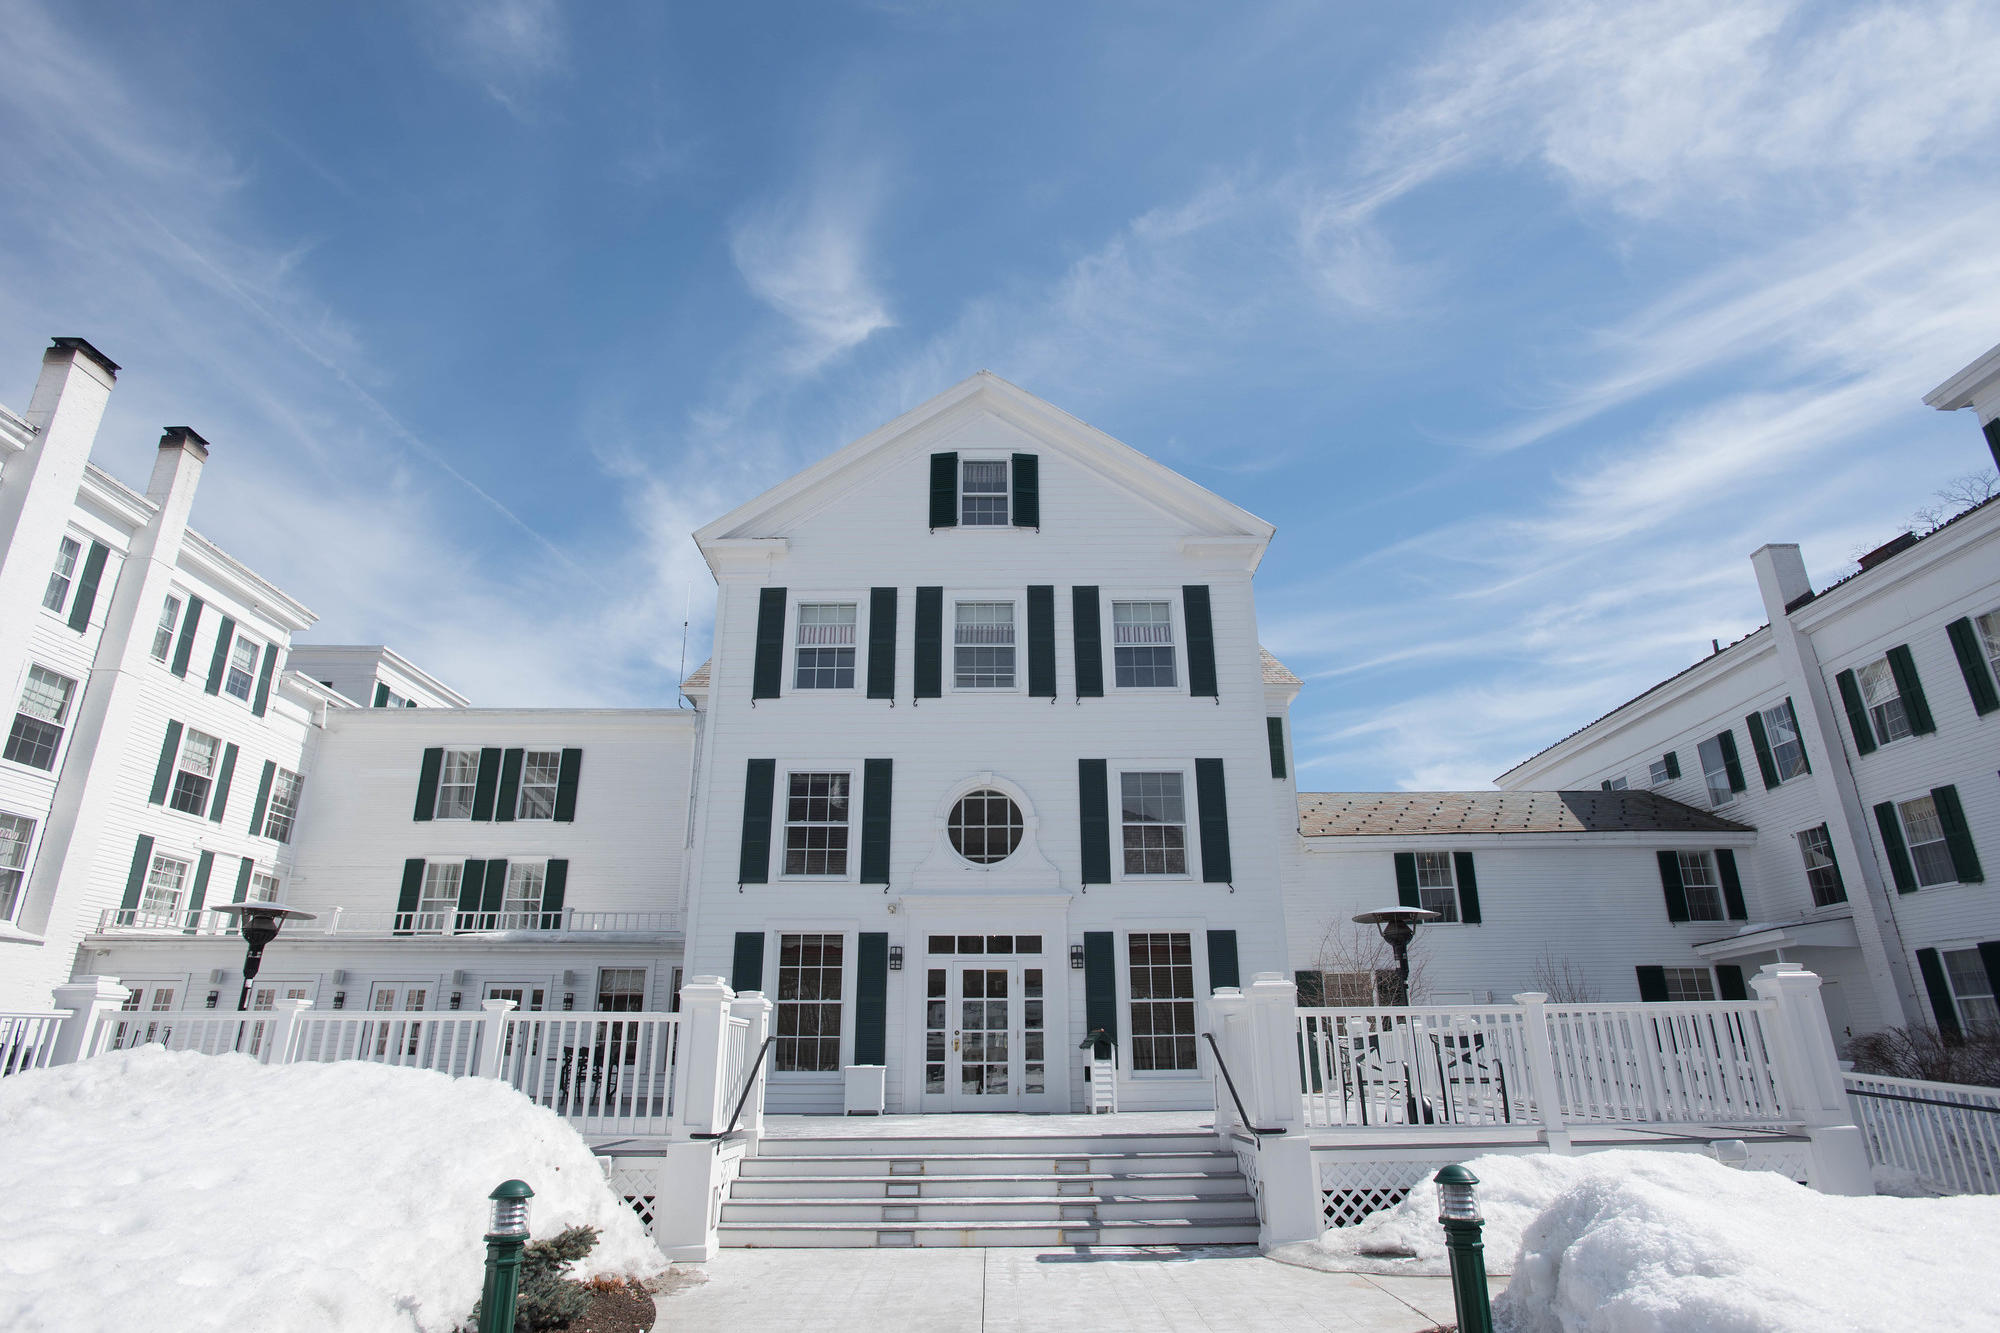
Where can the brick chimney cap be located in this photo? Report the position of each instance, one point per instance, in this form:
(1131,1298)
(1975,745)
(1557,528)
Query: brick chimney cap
(183,437)
(79,345)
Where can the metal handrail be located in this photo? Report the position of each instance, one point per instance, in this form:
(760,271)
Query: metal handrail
(1923,1101)
(756,1070)
(1242,1115)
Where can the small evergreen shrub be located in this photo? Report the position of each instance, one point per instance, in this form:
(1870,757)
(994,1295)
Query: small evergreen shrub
(1919,1052)
(548,1299)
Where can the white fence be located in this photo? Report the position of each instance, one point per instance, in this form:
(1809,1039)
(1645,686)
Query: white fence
(28,1040)
(607,1073)
(1945,1135)
(338,921)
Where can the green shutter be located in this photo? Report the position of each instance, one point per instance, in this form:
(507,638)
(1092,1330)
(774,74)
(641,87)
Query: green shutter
(411,896)
(1468,888)
(929,683)
(1673,761)
(1900,868)
(1729,982)
(882,643)
(264,781)
(263,700)
(1904,668)
(1093,803)
(1041,641)
(244,867)
(135,880)
(1989,958)
(225,635)
(1731,764)
(427,783)
(1222,966)
(1212,796)
(1857,712)
(746,969)
(1406,880)
(486,784)
(1805,760)
(86,587)
(1942,1008)
(219,799)
(1605,785)
(163,773)
(509,797)
(871,997)
(877,787)
(944,491)
(1201,641)
(1957,836)
(494,899)
(1732,885)
(471,885)
(1670,883)
(1652,984)
(1100,984)
(184,647)
(1973,666)
(1027,474)
(759,782)
(568,775)
(381,695)
(1274,732)
(555,886)
(1767,767)
(1087,629)
(769,670)
(198,895)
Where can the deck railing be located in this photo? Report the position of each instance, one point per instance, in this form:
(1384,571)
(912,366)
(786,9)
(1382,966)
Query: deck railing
(1945,1135)
(28,1040)
(607,1073)
(1379,1066)
(446,1042)
(338,921)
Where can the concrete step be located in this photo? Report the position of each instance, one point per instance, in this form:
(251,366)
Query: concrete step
(1039,1145)
(993,1186)
(977,1163)
(876,1235)
(970,1212)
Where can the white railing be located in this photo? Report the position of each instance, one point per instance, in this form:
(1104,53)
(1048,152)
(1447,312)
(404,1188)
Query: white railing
(1947,1135)
(211,1033)
(1690,1064)
(1380,1066)
(338,921)
(445,1042)
(608,1073)
(28,1040)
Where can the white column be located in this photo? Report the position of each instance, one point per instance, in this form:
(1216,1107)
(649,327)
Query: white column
(698,1101)
(1288,1188)
(284,1023)
(756,1008)
(1542,1069)
(1224,1017)
(1808,1073)
(493,1037)
(88,1000)
(38,485)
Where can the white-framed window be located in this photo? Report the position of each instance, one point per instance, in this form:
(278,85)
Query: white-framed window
(241,678)
(540,770)
(1715,771)
(1702,886)
(1656,774)
(982,493)
(283,811)
(816,824)
(1883,701)
(525,882)
(1971,989)
(983,646)
(64,573)
(16,832)
(1689,983)
(809,977)
(1153,813)
(1357,990)
(194,772)
(1162,980)
(984,826)
(1619,783)
(1923,833)
(163,633)
(1437,890)
(165,880)
(621,990)
(437,909)
(1781,732)
(1822,874)
(1142,645)
(457,778)
(391,699)
(823,656)
(41,718)
(1989,636)
(263,886)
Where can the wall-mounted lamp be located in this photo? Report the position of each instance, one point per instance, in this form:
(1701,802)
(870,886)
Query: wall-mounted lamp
(1076,957)
(456,997)
(569,1000)
(340,999)
(213,996)
(895,958)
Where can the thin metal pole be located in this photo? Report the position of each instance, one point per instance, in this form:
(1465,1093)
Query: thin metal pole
(1468,1276)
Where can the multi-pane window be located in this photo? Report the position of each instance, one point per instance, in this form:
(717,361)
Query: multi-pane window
(1689,983)
(242,674)
(824,655)
(539,771)
(984,827)
(1923,831)
(1357,990)
(621,990)
(38,723)
(1703,889)
(983,646)
(816,824)
(1781,730)
(1437,891)
(1972,988)
(391,699)
(1822,874)
(194,772)
(1715,770)
(1142,643)
(438,907)
(1619,783)
(283,811)
(1154,812)
(263,886)
(165,879)
(61,576)
(163,633)
(1883,701)
(525,881)
(808,1039)
(983,493)
(456,780)
(15,833)
(1657,775)
(1162,1001)
(1989,635)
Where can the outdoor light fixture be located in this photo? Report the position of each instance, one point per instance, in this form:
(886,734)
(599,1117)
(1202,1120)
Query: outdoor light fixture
(510,1210)
(259,923)
(340,999)
(456,999)
(1076,958)
(1398,926)
(505,1242)
(1456,1200)
(1458,1214)
(895,958)
(213,997)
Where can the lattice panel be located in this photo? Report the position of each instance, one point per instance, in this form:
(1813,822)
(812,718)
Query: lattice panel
(638,1186)
(1350,1191)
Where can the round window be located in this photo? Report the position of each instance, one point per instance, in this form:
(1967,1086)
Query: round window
(985,827)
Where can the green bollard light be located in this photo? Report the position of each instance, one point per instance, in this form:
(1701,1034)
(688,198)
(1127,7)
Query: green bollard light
(1458,1211)
(504,1244)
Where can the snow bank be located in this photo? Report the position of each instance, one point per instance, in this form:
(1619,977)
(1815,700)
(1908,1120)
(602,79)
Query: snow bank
(174,1190)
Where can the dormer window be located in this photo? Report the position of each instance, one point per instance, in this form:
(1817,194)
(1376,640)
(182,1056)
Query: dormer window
(983,493)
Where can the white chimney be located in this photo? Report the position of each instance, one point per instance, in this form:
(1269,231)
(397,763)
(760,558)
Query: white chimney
(1781,578)
(38,485)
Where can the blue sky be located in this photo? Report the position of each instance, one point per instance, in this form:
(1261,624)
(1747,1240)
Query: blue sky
(1524,325)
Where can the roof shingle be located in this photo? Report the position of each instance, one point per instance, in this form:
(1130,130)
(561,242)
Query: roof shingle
(1413,813)
(1275,672)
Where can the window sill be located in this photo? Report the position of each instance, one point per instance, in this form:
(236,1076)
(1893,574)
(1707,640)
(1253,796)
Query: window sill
(1164,1075)
(1156,879)
(16,935)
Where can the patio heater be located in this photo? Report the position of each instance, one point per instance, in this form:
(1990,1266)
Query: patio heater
(259,923)
(1398,926)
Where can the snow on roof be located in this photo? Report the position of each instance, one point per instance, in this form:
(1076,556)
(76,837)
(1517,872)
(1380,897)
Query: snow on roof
(1412,813)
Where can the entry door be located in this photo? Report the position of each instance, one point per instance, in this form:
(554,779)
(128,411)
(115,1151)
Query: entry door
(985,1036)
(395,1039)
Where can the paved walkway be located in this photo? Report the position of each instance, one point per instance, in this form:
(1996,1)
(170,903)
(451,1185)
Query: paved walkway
(1222,1289)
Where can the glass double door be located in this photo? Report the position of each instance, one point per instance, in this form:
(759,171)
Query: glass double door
(985,1035)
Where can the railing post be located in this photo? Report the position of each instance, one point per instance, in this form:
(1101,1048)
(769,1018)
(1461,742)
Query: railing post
(1542,1069)
(333,921)
(283,1030)
(88,999)
(704,1010)
(1808,1070)
(492,1038)
(1287,1185)
(756,1008)
(1225,1010)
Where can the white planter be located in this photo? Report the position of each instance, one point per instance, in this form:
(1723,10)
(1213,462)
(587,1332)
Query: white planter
(865,1085)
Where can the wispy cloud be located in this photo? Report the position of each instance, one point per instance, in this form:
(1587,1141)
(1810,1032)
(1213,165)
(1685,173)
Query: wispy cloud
(506,47)
(807,257)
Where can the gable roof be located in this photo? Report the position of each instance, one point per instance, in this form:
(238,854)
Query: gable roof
(1275,672)
(1415,813)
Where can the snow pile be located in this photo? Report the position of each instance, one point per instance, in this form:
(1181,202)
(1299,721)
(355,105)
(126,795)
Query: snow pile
(178,1190)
